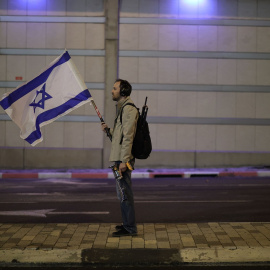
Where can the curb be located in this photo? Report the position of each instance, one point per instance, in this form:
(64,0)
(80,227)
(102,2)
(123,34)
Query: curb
(18,256)
(136,256)
(226,255)
(109,175)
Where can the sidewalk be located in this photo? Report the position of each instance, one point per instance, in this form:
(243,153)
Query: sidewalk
(137,173)
(156,244)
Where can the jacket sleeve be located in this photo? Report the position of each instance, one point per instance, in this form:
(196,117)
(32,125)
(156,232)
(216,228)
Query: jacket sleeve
(129,124)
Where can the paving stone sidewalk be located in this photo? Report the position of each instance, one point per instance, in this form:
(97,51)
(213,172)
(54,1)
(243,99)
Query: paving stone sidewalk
(155,243)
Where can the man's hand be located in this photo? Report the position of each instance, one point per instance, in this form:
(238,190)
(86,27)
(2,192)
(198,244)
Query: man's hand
(104,126)
(122,167)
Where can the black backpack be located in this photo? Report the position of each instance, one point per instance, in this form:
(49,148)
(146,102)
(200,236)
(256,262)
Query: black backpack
(142,145)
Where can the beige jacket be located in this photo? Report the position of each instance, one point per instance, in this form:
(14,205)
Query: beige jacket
(124,132)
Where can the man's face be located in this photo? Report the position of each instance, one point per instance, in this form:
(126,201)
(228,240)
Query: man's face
(116,92)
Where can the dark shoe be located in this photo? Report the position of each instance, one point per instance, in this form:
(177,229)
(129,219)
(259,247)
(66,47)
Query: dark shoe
(123,232)
(119,227)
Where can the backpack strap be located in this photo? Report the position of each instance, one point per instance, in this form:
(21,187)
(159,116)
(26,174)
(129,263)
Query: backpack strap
(121,112)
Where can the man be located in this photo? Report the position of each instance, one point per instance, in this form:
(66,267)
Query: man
(122,140)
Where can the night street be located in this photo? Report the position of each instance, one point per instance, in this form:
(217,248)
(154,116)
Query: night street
(159,200)
(197,200)
(182,87)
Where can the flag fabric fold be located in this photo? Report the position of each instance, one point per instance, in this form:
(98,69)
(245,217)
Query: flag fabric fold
(54,93)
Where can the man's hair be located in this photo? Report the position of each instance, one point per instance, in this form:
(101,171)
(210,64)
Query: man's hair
(125,87)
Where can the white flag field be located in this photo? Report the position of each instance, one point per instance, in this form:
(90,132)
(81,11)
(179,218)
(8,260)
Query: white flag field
(54,93)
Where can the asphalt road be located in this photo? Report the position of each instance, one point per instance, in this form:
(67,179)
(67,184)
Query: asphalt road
(208,199)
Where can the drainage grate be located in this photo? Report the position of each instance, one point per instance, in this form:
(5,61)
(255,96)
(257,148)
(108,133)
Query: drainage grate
(203,175)
(168,176)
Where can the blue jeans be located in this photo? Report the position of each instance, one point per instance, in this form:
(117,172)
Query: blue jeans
(127,205)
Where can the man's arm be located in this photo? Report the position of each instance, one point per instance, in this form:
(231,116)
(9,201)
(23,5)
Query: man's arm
(122,167)
(104,127)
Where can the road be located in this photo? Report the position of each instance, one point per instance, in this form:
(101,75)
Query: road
(161,200)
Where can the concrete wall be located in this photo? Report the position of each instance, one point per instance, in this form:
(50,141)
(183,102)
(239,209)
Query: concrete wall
(30,38)
(204,67)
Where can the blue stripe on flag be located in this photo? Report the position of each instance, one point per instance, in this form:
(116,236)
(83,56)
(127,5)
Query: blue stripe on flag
(53,113)
(30,86)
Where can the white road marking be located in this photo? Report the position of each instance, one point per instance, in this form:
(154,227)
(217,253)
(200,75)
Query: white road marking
(45,212)
(78,213)
(73,182)
(31,213)
(254,185)
(40,194)
(17,202)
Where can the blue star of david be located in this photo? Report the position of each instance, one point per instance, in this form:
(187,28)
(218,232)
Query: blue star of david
(40,98)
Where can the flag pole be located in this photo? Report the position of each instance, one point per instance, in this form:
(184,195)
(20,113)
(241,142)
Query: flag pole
(101,119)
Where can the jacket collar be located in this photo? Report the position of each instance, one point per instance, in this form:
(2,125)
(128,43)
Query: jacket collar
(121,103)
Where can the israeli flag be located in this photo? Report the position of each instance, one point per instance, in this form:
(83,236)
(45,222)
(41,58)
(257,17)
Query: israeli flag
(54,93)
